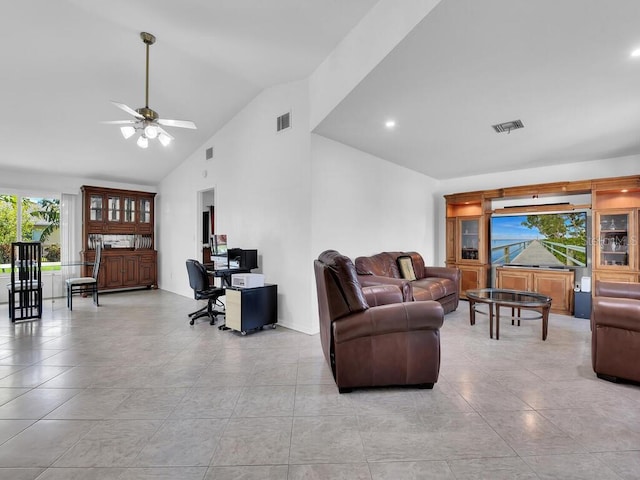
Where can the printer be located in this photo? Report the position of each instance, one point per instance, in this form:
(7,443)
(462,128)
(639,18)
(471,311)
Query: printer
(247,280)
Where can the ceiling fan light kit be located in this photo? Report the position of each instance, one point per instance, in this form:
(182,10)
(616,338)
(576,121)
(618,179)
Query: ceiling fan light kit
(147,121)
(150,131)
(142,141)
(128,131)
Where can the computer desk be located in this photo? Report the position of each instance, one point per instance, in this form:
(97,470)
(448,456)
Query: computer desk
(224,273)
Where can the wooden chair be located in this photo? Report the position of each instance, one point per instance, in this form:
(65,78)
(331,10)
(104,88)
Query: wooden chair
(25,289)
(85,285)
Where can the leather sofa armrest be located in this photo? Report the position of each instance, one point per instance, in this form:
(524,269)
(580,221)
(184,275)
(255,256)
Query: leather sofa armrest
(623,313)
(382,294)
(387,319)
(404,285)
(452,274)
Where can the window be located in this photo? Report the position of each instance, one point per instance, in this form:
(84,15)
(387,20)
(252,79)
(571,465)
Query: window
(30,219)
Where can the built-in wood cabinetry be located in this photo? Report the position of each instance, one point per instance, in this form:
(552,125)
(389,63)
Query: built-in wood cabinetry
(122,222)
(615,235)
(556,284)
(616,207)
(466,240)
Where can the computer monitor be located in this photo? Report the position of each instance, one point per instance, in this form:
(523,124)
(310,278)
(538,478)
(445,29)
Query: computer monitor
(242,258)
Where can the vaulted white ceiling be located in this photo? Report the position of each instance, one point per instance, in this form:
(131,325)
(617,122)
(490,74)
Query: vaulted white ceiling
(63,61)
(562,67)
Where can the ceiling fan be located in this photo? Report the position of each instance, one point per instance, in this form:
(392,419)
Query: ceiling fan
(147,121)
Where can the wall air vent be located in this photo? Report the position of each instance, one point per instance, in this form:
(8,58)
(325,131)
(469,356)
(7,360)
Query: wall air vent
(208,153)
(283,122)
(508,126)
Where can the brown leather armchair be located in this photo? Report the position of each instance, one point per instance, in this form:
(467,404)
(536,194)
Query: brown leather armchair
(369,336)
(615,331)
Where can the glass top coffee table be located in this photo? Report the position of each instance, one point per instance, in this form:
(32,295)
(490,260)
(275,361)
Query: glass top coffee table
(514,299)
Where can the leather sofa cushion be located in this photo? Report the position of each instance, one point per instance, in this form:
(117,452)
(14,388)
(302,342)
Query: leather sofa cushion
(432,288)
(382,264)
(450,287)
(617,290)
(427,289)
(382,295)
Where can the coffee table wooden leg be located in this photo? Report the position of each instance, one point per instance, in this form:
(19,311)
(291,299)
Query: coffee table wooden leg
(491,320)
(472,312)
(545,321)
(519,315)
(513,315)
(497,322)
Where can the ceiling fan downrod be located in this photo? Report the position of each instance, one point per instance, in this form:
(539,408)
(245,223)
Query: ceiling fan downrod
(146,112)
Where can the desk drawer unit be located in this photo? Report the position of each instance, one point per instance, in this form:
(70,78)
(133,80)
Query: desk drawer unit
(251,308)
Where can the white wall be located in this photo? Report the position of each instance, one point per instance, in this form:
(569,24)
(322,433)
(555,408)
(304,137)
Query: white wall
(363,204)
(261,181)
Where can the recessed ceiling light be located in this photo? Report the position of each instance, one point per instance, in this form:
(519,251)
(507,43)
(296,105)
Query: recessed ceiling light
(390,123)
(636,53)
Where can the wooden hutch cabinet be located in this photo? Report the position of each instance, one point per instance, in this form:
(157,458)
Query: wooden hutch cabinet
(122,221)
(466,248)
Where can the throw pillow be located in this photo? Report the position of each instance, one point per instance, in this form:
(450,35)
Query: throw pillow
(405,264)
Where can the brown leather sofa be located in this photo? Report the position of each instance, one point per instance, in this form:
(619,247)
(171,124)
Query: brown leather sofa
(615,331)
(369,336)
(431,283)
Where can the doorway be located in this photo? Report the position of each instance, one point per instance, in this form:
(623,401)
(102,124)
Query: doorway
(206,227)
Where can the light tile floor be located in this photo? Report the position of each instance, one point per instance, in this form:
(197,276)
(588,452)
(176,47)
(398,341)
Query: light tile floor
(130,391)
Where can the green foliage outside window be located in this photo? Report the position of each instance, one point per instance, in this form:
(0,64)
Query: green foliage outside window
(44,211)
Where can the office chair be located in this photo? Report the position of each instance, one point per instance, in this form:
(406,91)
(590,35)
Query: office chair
(199,282)
(85,285)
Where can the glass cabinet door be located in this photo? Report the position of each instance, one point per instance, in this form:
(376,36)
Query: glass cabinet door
(129,209)
(113,207)
(613,239)
(95,208)
(145,210)
(469,239)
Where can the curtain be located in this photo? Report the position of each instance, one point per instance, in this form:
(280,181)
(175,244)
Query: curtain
(70,228)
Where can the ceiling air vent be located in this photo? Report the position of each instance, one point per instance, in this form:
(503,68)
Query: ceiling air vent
(284,121)
(208,153)
(508,126)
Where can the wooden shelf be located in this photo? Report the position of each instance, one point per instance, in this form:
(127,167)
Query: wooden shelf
(541,209)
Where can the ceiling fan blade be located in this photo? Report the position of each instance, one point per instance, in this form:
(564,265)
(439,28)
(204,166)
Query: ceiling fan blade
(120,122)
(177,123)
(128,109)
